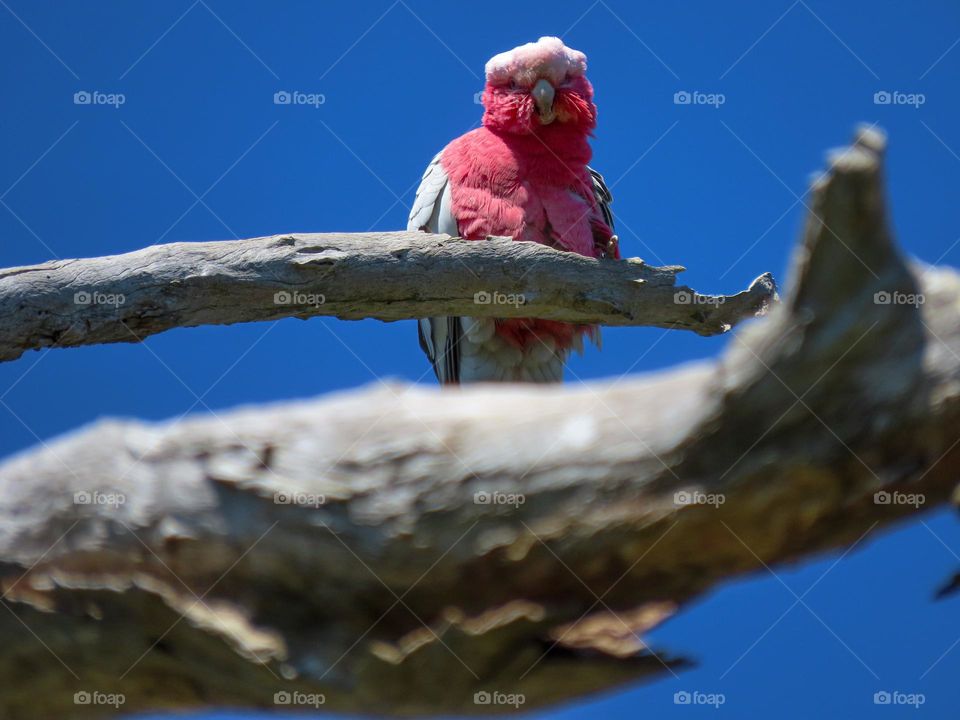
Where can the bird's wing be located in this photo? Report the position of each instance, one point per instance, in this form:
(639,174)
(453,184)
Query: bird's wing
(602,193)
(439,336)
(426,204)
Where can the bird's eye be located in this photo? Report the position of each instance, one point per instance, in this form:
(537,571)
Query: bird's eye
(514,85)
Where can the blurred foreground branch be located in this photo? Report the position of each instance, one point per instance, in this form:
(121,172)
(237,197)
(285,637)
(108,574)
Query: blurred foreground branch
(398,550)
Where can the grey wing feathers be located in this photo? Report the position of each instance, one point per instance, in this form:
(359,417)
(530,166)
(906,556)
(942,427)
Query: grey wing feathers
(444,333)
(426,204)
(440,336)
(604,198)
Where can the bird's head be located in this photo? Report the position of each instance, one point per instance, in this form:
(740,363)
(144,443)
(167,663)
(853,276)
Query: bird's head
(537,85)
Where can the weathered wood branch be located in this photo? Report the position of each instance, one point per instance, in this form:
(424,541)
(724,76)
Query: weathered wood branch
(400,549)
(389,276)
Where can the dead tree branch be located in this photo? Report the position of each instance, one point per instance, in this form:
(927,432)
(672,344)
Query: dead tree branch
(400,549)
(389,276)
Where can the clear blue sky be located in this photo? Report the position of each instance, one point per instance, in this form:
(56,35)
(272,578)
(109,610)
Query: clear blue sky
(712,188)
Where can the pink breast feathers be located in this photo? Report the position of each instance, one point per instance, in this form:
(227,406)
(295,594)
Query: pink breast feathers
(553,204)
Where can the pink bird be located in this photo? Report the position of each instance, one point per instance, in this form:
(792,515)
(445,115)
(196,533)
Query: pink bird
(523,175)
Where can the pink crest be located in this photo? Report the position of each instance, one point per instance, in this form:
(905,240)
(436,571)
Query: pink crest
(548,57)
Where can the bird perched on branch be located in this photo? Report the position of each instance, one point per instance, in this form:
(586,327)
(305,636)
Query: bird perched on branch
(523,175)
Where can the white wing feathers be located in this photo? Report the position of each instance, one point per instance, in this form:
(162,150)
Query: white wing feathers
(426,205)
(440,336)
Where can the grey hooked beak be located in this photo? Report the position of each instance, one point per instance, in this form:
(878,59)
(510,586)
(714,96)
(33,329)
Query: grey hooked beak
(543,93)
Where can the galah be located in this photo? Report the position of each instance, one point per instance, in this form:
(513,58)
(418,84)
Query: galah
(523,174)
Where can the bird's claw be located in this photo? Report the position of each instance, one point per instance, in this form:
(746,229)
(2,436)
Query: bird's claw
(610,251)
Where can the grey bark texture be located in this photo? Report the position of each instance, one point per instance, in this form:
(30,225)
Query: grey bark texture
(399,549)
(389,276)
